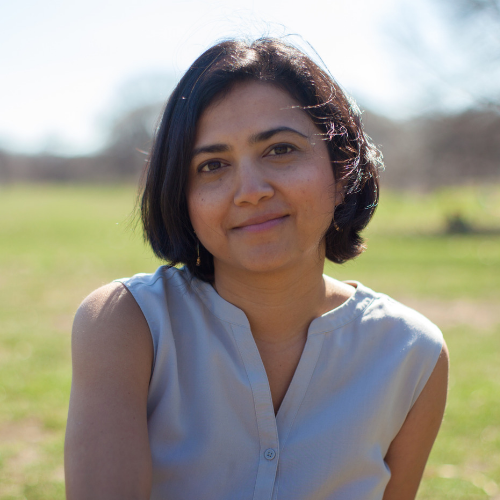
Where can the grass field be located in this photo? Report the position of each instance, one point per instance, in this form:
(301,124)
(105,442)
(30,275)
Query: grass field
(59,243)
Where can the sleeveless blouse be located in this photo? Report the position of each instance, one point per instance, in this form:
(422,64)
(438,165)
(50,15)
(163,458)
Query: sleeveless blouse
(212,429)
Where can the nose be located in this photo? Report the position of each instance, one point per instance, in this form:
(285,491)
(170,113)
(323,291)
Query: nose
(253,186)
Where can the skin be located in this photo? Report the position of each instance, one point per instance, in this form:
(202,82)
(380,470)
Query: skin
(107,452)
(261,194)
(258,156)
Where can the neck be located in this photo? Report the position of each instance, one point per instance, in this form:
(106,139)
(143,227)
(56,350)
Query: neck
(279,305)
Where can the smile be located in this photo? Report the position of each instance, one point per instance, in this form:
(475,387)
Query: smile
(262,223)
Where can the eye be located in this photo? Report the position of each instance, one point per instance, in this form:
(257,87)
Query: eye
(210,166)
(281,149)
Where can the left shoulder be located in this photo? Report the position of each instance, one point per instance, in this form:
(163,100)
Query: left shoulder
(401,320)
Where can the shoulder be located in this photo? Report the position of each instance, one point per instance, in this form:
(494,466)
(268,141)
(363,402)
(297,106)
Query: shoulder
(109,326)
(160,287)
(111,306)
(166,276)
(400,319)
(402,337)
(106,450)
(128,311)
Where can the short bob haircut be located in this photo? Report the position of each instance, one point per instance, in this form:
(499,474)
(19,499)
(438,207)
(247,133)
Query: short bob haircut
(355,160)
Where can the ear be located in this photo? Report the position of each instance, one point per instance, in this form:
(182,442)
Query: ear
(340,189)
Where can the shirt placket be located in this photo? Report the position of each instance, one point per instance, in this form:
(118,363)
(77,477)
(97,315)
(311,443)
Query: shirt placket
(264,412)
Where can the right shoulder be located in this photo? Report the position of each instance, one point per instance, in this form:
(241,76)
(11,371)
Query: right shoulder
(111,299)
(107,450)
(110,322)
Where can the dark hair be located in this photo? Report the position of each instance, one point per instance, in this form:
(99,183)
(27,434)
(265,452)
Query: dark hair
(355,160)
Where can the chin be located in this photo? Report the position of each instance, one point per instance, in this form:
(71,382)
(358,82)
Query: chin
(264,262)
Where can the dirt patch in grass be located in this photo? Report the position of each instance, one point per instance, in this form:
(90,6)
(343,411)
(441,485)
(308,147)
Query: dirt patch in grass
(28,431)
(478,315)
(465,473)
(21,450)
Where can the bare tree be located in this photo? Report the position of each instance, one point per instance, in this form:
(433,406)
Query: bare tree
(454,49)
(130,139)
(131,122)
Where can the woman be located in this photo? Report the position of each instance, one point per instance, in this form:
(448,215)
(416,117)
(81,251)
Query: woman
(247,374)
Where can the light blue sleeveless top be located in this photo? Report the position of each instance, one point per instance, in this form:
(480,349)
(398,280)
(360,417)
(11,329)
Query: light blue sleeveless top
(212,428)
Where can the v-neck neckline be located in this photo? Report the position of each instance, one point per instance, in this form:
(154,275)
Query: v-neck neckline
(335,318)
(276,427)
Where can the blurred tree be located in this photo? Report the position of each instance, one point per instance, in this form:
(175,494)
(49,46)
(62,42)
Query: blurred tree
(476,24)
(141,91)
(131,121)
(129,139)
(433,151)
(452,49)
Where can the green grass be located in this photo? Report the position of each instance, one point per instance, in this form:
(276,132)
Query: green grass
(409,252)
(467,452)
(57,243)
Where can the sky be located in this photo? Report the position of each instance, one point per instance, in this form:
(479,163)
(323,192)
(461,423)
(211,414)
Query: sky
(64,64)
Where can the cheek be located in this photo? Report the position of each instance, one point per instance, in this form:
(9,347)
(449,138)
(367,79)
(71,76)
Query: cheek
(317,190)
(198,210)
(206,211)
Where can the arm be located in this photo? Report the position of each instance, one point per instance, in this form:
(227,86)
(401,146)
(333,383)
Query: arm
(107,453)
(410,449)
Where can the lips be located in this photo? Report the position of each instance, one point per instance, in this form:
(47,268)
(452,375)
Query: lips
(262,222)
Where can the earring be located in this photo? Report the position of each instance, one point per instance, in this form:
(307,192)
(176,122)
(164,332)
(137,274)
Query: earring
(198,261)
(336,226)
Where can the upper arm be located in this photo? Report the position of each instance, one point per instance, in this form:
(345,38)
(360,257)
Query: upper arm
(107,452)
(409,451)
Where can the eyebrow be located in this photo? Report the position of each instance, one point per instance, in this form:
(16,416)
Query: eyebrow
(259,137)
(213,148)
(264,136)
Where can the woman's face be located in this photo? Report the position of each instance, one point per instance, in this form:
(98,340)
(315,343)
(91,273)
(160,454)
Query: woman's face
(261,190)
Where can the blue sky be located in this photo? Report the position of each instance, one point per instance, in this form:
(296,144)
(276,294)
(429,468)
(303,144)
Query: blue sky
(63,61)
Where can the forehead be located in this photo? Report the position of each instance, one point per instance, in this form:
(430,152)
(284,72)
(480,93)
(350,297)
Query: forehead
(251,107)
